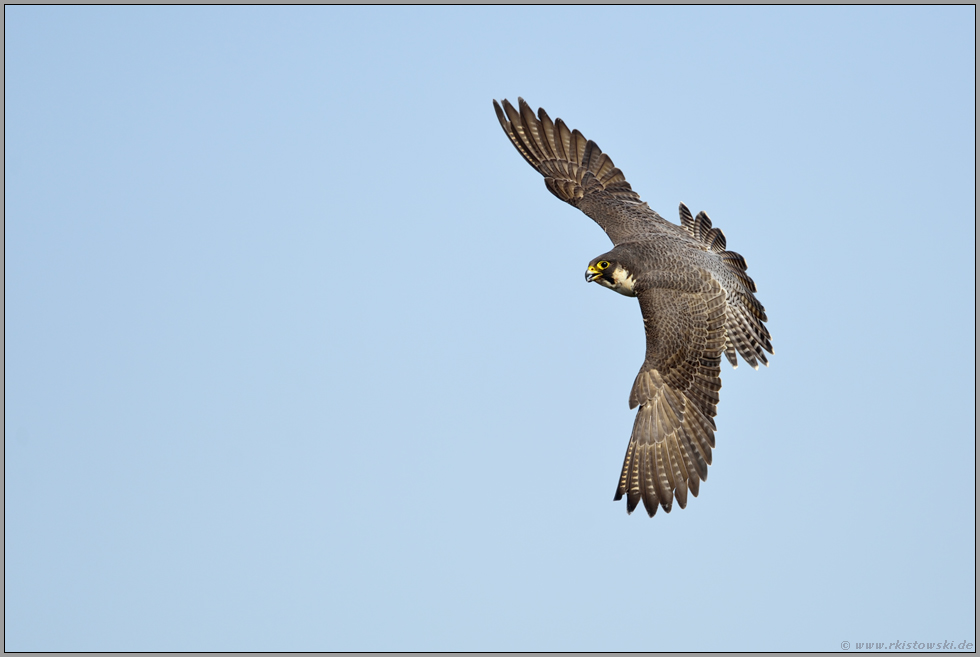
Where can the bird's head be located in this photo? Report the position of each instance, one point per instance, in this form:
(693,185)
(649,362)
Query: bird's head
(610,272)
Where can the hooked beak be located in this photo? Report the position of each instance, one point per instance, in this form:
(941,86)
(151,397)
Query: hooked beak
(592,274)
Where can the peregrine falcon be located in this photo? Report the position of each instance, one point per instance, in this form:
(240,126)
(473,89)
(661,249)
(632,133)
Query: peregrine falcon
(696,299)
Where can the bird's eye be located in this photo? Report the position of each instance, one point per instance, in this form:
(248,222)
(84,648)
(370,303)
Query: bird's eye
(603,264)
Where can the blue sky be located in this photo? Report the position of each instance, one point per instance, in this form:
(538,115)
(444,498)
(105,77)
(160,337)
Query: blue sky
(299,354)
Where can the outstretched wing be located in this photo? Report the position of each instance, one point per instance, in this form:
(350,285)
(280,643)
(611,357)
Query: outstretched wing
(578,172)
(677,392)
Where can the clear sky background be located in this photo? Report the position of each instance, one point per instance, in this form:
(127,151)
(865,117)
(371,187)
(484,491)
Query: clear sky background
(299,354)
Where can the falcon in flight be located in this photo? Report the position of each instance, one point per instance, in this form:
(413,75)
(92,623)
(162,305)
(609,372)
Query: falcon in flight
(696,299)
